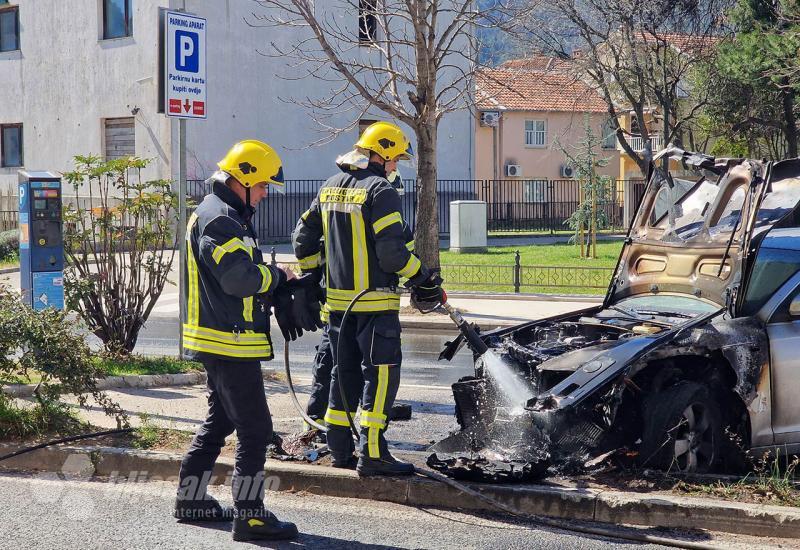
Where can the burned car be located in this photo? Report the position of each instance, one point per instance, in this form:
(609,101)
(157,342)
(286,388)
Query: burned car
(688,360)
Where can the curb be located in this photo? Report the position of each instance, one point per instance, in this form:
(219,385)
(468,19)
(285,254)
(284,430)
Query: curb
(588,298)
(448,325)
(5,270)
(565,503)
(131,381)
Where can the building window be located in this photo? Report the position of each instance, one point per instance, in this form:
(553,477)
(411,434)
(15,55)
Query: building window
(533,190)
(117,19)
(9,29)
(609,135)
(367,21)
(119,137)
(535,133)
(11,145)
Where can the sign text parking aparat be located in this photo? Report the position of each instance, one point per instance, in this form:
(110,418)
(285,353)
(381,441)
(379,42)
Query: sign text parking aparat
(185,65)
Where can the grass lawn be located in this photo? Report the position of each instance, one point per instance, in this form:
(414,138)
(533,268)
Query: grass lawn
(9,262)
(133,365)
(546,268)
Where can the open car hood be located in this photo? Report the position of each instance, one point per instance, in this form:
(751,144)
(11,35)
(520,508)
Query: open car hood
(691,232)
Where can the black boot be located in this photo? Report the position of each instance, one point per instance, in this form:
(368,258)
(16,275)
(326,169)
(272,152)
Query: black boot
(207,509)
(261,525)
(348,462)
(386,466)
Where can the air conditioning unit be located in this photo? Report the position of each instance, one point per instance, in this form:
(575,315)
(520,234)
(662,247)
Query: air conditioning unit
(490,118)
(513,170)
(567,171)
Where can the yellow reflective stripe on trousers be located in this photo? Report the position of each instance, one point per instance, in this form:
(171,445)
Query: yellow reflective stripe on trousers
(373,446)
(230,246)
(371,419)
(411,267)
(310,262)
(360,262)
(410,246)
(266,278)
(337,418)
(193,285)
(386,221)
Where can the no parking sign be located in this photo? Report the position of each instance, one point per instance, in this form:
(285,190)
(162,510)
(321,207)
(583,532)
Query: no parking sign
(184,65)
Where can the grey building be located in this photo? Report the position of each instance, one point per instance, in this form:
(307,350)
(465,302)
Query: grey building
(81,76)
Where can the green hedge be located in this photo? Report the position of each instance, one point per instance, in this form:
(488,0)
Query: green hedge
(9,244)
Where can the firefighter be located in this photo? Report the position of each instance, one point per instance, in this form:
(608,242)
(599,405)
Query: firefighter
(229,290)
(323,358)
(357,215)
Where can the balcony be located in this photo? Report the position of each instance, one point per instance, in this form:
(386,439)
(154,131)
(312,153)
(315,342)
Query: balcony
(637,143)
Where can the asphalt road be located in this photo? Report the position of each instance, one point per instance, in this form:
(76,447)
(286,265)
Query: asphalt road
(420,352)
(42,511)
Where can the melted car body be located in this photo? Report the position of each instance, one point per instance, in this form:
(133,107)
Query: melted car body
(677,365)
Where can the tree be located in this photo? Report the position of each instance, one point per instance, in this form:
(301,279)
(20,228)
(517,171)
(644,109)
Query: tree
(119,247)
(595,190)
(412,60)
(638,55)
(753,84)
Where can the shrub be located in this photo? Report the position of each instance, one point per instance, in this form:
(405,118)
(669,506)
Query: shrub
(119,247)
(9,244)
(46,345)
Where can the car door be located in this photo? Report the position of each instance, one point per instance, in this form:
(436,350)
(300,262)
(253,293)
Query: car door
(783,331)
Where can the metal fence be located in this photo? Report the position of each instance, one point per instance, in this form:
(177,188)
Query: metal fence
(512,205)
(519,278)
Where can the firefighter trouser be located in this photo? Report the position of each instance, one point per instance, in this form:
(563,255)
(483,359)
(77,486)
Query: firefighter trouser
(236,402)
(320,378)
(370,369)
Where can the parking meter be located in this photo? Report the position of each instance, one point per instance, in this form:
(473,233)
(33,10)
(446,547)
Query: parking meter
(41,241)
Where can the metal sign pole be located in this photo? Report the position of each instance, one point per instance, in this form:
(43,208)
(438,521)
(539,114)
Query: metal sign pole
(181,227)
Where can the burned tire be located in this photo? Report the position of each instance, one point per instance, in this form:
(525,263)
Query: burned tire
(682,429)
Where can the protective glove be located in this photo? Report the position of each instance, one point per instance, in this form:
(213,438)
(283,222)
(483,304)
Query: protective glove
(428,295)
(282,305)
(306,305)
(306,309)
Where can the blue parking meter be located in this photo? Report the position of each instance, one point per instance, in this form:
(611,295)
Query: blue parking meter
(41,241)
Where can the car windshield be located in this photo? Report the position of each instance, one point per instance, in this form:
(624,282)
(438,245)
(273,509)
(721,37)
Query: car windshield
(682,306)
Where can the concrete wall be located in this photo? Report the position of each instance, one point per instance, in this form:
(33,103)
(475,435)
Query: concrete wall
(65,80)
(536,162)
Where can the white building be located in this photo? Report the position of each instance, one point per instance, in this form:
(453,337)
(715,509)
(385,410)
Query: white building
(81,76)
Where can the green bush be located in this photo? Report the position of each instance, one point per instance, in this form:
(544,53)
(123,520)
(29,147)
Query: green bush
(47,346)
(9,244)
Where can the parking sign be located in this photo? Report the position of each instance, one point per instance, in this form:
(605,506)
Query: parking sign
(184,65)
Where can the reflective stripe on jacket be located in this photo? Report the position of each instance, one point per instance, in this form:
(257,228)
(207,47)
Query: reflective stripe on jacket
(226,301)
(357,213)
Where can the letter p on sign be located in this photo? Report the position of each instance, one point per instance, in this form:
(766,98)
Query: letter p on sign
(187,51)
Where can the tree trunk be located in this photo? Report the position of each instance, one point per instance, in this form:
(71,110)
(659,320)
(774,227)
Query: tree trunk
(791,122)
(426,232)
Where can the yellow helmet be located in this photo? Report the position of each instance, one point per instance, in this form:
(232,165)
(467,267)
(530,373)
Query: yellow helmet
(387,140)
(252,162)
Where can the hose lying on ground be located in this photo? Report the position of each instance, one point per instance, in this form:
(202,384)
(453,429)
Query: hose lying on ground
(63,440)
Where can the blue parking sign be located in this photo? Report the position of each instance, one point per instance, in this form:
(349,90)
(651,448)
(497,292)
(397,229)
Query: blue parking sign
(187,51)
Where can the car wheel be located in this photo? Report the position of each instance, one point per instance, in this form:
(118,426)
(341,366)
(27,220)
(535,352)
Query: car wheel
(682,429)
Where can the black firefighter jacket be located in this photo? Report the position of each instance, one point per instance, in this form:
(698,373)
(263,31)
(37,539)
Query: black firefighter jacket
(357,215)
(226,301)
